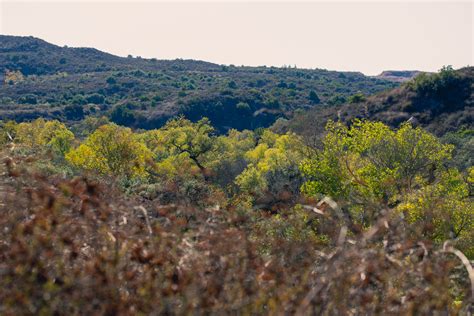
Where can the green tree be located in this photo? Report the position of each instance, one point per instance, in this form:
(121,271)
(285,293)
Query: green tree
(232,85)
(182,136)
(74,112)
(111,80)
(40,134)
(443,210)
(89,124)
(273,166)
(95,98)
(426,84)
(463,154)
(227,158)
(28,99)
(357,98)
(371,166)
(57,137)
(112,149)
(313,97)
(122,115)
(243,107)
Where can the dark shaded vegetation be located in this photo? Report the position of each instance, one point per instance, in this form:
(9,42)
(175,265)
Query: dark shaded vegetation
(42,80)
(463,140)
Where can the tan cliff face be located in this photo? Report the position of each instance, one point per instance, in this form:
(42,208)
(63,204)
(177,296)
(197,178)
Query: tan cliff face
(12,77)
(398,75)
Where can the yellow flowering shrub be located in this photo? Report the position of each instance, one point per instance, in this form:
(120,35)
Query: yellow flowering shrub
(112,149)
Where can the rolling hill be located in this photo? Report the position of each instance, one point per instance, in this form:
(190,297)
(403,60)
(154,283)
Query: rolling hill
(441,102)
(39,79)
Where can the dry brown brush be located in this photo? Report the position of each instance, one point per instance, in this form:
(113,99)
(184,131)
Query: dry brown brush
(75,246)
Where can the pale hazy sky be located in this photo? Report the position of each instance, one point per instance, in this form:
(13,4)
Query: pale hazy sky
(352,35)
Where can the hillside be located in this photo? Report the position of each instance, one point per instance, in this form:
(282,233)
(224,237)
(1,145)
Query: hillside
(441,103)
(191,216)
(33,56)
(44,80)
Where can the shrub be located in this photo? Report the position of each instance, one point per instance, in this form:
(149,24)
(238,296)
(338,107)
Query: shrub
(74,112)
(95,98)
(28,99)
(356,98)
(122,115)
(112,149)
(313,97)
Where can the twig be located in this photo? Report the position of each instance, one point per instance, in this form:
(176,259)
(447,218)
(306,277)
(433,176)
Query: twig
(314,209)
(450,249)
(147,220)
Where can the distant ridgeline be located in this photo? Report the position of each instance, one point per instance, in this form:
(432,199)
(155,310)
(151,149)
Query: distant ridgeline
(39,79)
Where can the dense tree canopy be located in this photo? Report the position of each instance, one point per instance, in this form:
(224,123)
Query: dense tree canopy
(372,162)
(198,210)
(367,167)
(372,169)
(273,166)
(38,134)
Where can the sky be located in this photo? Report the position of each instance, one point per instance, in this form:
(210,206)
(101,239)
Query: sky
(369,36)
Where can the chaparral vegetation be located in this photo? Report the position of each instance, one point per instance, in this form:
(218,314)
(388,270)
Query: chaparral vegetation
(183,187)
